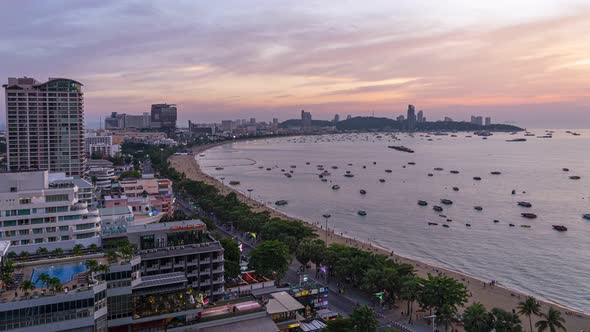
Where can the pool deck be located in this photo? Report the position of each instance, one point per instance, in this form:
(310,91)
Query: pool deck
(22,273)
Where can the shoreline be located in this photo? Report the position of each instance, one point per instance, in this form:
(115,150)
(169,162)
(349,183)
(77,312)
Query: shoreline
(497,296)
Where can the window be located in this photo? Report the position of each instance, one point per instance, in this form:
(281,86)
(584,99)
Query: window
(24,200)
(56,198)
(37,230)
(24,212)
(84,226)
(65,238)
(9,223)
(35,221)
(38,240)
(23,232)
(50,229)
(64,228)
(52,239)
(85,235)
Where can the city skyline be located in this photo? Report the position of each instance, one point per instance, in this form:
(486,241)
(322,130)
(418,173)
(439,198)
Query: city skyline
(216,61)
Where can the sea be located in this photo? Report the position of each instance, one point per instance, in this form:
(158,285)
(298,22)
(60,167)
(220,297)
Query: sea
(534,259)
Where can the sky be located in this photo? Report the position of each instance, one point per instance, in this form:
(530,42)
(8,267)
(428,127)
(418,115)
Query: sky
(521,61)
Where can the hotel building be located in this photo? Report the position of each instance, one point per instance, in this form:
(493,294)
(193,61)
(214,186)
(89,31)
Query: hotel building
(45,125)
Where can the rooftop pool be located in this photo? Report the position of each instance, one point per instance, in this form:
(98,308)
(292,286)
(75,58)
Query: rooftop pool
(64,273)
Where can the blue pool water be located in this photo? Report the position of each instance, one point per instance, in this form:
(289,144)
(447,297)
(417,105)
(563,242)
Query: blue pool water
(65,273)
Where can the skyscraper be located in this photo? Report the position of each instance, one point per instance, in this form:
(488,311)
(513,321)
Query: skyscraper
(411,121)
(488,120)
(45,125)
(164,116)
(420,117)
(336,118)
(305,120)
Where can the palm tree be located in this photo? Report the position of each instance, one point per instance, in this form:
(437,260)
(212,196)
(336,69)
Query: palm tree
(58,251)
(26,286)
(42,251)
(505,321)
(529,307)
(476,318)
(552,320)
(363,319)
(77,249)
(410,290)
(55,285)
(45,279)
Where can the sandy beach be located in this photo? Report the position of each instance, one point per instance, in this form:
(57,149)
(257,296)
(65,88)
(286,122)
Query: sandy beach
(480,291)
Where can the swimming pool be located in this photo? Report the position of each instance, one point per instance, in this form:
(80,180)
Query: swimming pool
(64,273)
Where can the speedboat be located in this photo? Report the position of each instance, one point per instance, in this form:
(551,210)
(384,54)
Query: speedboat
(529,215)
(422,203)
(478,208)
(438,168)
(430,174)
(511,225)
(281,202)
(495,173)
(363,191)
(411,163)
(446,226)
(362,213)
(496,221)
(560,228)
(565,169)
(437,208)
(446,201)
(388,171)
(432,224)
(348,175)
(335,187)
(454,172)
(477,178)
(525,204)
(468,225)
(575,177)
(586,216)
(218,168)
(456,188)
(381,180)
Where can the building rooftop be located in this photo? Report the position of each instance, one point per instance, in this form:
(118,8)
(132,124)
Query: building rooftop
(262,324)
(115,210)
(172,226)
(282,302)
(162,279)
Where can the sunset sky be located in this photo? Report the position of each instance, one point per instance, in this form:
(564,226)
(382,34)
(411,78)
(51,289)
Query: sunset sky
(526,61)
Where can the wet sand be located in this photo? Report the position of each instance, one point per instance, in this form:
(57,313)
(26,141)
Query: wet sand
(490,296)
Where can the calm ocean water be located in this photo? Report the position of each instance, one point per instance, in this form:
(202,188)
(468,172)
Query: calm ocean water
(537,260)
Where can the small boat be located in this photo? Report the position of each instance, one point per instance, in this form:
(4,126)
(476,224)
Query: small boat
(362,213)
(388,171)
(477,178)
(291,172)
(363,192)
(495,173)
(575,177)
(437,208)
(525,226)
(401,148)
(335,187)
(511,225)
(560,228)
(234,183)
(288,175)
(334,167)
(411,163)
(261,167)
(442,216)
(430,174)
(307,163)
(422,203)
(468,225)
(446,226)
(364,166)
(268,169)
(529,215)
(348,175)
(438,169)
(478,208)
(293,166)
(586,216)
(381,180)
(324,180)
(525,204)
(432,224)
(218,168)
(349,164)
(281,202)
(449,220)
(565,169)
(513,192)
(456,188)
(446,201)
(374,163)
(496,221)
(517,140)
(454,172)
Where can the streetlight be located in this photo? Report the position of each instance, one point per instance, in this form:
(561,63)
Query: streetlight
(327,216)
(433,320)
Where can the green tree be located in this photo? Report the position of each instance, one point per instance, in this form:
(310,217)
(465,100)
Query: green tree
(26,286)
(45,280)
(58,251)
(363,319)
(339,325)
(505,321)
(42,251)
(410,290)
(552,321)
(270,257)
(438,292)
(54,284)
(93,247)
(231,255)
(529,307)
(476,318)
(310,250)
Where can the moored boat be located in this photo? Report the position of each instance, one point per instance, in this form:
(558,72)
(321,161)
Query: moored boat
(529,215)
(575,177)
(381,180)
(454,172)
(362,213)
(401,148)
(477,178)
(432,224)
(234,183)
(456,188)
(478,208)
(422,203)
(335,187)
(281,202)
(560,228)
(446,201)
(437,208)
(495,173)
(525,204)
(586,216)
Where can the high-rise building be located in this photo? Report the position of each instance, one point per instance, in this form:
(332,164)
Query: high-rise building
(102,145)
(305,120)
(447,119)
(115,121)
(479,120)
(400,118)
(488,120)
(252,121)
(411,118)
(420,117)
(348,117)
(46,210)
(45,125)
(164,116)
(275,121)
(336,118)
(227,126)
